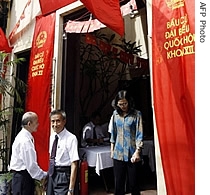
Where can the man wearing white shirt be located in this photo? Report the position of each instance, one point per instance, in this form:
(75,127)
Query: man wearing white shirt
(62,180)
(23,161)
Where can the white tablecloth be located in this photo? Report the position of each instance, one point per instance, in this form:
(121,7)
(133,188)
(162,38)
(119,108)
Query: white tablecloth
(97,156)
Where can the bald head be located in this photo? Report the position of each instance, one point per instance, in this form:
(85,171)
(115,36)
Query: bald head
(30,121)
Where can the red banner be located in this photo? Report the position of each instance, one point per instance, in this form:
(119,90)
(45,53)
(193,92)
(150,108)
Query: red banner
(94,24)
(39,83)
(52,5)
(108,12)
(4,45)
(173,43)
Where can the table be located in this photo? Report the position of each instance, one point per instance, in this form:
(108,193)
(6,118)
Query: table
(149,150)
(97,156)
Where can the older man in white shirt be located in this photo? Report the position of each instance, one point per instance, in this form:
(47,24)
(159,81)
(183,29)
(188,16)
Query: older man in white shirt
(23,162)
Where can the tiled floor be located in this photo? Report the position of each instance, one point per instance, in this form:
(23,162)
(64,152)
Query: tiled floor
(146,192)
(101,191)
(97,185)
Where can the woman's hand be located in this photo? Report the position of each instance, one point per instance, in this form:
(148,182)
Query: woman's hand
(135,157)
(112,150)
(112,154)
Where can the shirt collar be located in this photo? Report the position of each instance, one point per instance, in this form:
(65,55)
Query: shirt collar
(62,133)
(26,132)
(92,124)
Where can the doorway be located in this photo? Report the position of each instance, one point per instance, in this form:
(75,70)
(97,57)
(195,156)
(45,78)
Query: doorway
(73,94)
(22,74)
(138,86)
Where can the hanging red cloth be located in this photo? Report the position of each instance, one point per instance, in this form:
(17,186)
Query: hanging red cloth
(173,63)
(38,97)
(4,46)
(107,12)
(53,5)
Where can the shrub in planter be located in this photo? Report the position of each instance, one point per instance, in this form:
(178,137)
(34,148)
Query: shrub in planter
(5,183)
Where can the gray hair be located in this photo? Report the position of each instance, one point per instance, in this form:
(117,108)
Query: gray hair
(60,112)
(28,117)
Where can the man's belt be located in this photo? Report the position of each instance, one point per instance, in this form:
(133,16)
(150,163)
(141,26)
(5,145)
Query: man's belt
(62,168)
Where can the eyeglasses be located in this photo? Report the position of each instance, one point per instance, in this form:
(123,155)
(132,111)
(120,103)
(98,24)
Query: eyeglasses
(122,104)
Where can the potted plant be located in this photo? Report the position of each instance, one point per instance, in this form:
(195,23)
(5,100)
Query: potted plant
(10,88)
(5,181)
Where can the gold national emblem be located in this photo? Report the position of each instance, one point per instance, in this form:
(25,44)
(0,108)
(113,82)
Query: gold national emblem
(174,4)
(41,39)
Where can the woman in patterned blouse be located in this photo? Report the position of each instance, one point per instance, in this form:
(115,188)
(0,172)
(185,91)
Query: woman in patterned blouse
(126,132)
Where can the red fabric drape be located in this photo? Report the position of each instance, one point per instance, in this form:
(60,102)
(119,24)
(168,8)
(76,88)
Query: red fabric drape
(4,46)
(52,5)
(108,12)
(173,53)
(39,83)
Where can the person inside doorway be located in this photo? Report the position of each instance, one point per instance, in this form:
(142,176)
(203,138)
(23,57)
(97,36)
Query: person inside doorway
(93,132)
(126,132)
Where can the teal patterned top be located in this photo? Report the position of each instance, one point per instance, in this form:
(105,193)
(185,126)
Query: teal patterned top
(126,134)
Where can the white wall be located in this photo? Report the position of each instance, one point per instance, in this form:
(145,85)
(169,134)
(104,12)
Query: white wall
(23,36)
(136,30)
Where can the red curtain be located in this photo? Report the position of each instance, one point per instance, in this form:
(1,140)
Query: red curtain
(173,53)
(4,46)
(39,83)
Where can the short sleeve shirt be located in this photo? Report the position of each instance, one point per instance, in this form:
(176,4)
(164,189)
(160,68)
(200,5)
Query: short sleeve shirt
(67,148)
